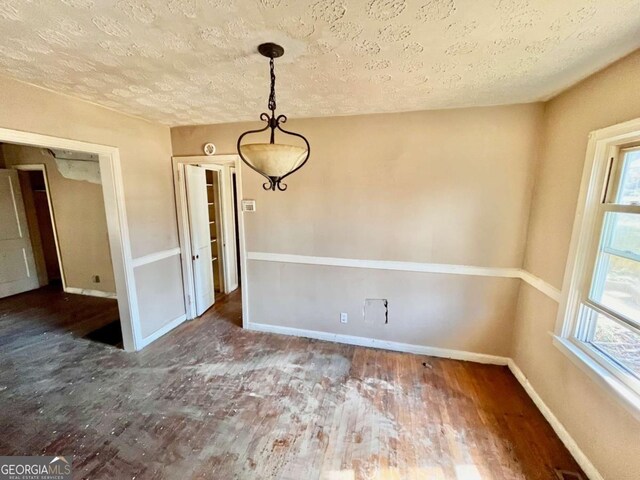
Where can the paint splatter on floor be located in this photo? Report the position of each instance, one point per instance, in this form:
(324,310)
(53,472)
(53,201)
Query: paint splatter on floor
(212,401)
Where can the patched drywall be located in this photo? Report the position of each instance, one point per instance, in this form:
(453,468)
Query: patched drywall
(82,171)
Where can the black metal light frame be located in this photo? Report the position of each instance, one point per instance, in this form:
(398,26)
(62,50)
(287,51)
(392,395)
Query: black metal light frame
(271,51)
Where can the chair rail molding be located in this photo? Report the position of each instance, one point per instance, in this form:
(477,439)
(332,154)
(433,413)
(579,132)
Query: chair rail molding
(439,268)
(155,256)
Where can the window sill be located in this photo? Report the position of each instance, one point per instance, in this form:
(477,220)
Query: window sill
(621,392)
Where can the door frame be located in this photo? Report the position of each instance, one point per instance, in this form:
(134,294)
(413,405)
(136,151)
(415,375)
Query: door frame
(221,228)
(41,167)
(117,226)
(233,236)
(183,225)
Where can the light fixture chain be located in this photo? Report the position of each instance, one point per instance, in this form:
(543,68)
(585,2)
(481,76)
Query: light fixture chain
(272,95)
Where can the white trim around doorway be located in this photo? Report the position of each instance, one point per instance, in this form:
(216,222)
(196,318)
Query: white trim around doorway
(183,226)
(117,226)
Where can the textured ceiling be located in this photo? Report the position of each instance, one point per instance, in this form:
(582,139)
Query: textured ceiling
(192,61)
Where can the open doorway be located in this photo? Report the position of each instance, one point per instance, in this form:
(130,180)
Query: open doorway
(54,241)
(208,192)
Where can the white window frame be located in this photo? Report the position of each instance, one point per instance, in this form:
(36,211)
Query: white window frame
(601,169)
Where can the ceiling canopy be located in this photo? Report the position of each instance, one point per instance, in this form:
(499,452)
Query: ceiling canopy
(195,61)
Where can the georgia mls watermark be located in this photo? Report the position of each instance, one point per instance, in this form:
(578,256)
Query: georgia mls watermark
(35,468)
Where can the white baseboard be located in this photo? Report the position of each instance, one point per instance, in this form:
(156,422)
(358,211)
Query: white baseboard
(383,344)
(90,293)
(143,342)
(582,460)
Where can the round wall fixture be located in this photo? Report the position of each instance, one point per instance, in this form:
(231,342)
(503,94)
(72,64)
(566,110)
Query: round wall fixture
(209,149)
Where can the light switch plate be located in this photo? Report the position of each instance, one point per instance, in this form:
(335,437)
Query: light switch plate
(248,205)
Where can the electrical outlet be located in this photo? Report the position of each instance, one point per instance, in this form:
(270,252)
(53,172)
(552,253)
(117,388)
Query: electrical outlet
(96,279)
(344,318)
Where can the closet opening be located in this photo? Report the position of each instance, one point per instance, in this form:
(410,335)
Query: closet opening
(210,226)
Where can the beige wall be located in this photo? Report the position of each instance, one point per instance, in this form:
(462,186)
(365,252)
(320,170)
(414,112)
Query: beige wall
(473,314)
(443,186)
(448,186)
(608,435)
(145,153)
(145,150)
(80,222)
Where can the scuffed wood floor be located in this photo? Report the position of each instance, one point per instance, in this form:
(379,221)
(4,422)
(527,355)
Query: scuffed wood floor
(211,401)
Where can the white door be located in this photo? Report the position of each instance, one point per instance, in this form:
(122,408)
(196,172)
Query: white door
(17,266)
(196,184)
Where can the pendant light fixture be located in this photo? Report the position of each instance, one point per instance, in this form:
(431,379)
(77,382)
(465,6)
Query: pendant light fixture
(274,161)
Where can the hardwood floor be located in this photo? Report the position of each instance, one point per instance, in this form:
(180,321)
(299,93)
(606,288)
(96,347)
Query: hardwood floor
(212,401)
(33,317)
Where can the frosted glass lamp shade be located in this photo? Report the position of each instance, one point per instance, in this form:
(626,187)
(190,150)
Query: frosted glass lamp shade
(274,159)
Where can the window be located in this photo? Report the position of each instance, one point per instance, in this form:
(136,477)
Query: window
(600,312)
(609,318)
